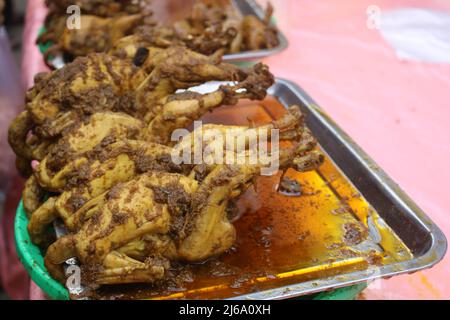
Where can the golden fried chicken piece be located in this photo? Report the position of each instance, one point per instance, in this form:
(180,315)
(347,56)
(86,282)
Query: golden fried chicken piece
(81,147)
(94,14)
(126,213)
(212,27)
(259,34)
(96,34)
(118,163)
(178,68)
(62,99)
(208,231)
(104,128)
(201,31)
(90,175)
(101,129)
(185,67)
(94,83)
(212,40)
(101,82)
(85,178)
(158,204)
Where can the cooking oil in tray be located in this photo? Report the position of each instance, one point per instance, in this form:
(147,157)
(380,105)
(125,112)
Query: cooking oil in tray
(329,229)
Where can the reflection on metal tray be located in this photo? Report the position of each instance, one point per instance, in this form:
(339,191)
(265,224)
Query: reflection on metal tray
(245,7)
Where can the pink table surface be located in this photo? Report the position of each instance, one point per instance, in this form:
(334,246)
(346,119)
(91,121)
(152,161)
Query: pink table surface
(397,111)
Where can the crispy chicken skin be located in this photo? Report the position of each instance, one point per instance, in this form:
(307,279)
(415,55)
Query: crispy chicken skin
(62,99)
(95,34)
(124,214)
(157,204)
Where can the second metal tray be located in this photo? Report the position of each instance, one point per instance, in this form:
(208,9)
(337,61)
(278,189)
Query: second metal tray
(245,7)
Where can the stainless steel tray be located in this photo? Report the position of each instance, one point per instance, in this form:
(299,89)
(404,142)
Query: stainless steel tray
(423,238)
(397,211)
(245,7)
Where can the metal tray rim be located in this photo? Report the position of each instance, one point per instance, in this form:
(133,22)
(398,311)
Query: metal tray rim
(432,256)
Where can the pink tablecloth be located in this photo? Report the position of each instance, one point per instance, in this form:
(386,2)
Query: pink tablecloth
(397,111)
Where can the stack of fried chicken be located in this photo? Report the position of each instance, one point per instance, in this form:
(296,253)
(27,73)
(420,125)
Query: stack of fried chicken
(95,139)
(212,26)
(99,133)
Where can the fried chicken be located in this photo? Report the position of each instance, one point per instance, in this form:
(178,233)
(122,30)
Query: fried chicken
(103,130)
(211,27)
(94,173)
(102,23)
(187,215)
(63,101)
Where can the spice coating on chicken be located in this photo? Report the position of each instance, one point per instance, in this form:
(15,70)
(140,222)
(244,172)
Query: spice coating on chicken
(108,165)
(142,207)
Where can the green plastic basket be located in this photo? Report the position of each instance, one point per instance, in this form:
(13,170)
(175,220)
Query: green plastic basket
(33,259)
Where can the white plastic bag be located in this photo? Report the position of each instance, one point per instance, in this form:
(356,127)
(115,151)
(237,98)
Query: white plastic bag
(418,34)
